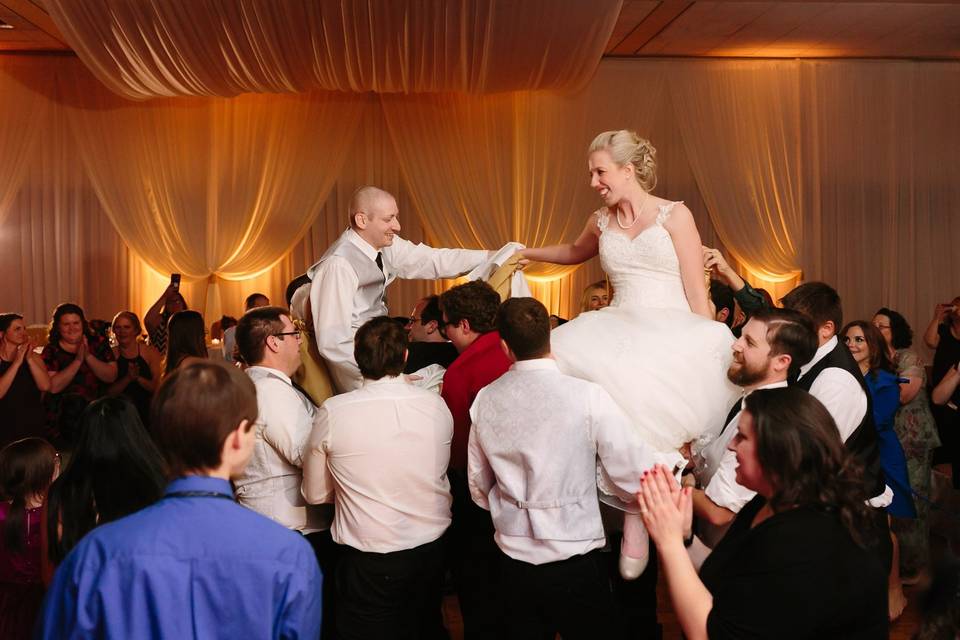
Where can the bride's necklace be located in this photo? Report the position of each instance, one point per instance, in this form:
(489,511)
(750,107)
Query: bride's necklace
(636,216)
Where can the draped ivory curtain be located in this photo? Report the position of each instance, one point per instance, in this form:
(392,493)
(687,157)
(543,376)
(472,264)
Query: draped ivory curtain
(150,48)
(879,180)
(211,188)
(740,122)
(23,114)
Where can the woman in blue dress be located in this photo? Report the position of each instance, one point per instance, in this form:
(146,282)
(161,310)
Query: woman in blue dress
(869,349)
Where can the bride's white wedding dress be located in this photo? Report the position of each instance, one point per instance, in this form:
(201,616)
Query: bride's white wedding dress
(664,365)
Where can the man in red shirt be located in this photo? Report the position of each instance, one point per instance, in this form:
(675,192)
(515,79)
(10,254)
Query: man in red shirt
(469,317)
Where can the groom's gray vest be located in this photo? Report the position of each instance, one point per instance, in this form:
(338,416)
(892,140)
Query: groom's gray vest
(370,300)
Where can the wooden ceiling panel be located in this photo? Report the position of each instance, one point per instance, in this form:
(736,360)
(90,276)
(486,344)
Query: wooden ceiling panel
(33,29)
(800,28)
(710,28)
(632,13)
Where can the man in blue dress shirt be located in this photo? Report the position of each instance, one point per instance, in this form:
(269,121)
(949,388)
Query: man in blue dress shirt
(195,564)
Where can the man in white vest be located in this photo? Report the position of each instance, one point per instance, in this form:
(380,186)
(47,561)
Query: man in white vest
(348,284)
(537,438)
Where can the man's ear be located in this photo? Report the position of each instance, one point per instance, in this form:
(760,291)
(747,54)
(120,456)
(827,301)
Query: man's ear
(507,351)
(781,362)
(465,325)
(360,219)
(431,327)
(273,348)
(827,330)
(723,314)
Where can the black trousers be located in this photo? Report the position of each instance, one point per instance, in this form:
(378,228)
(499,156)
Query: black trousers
(572,597)
(390,595)
(327,552)
(474,561)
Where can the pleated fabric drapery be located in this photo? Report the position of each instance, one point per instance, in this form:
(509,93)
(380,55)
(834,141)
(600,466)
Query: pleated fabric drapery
(211,187)
(740,122)
(849,171)
(23,114)
(152,48)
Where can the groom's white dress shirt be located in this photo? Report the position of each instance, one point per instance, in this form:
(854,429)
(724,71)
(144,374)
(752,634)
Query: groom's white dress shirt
(536,441)
(348,288)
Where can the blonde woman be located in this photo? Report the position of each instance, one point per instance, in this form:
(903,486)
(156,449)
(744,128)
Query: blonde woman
(656,349)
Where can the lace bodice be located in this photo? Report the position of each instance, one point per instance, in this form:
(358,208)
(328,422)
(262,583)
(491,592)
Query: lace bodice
(644,271)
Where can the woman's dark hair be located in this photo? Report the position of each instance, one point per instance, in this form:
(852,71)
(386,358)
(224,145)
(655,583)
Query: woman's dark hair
(6,319)
(58,313)
(185,338)
(115,469)
(901,335)
(803,458)
(876,343)
(26,469)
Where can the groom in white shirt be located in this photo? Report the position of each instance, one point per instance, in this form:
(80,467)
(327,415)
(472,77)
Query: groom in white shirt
(349,281)
(536,439)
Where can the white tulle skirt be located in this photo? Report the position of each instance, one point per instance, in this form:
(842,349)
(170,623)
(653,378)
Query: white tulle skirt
(666,368)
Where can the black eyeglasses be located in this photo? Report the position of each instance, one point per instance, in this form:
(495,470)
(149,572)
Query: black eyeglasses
(286,333)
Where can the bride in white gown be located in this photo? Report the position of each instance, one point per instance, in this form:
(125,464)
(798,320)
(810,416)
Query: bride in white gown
(656,349)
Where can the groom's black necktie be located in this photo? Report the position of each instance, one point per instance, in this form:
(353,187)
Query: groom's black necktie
(380,261)
(733,412)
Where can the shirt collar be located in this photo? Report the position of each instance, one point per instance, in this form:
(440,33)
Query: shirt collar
(821,353)
(385,380)
(200,483)
(482,343)
(538,364)
(272,371)
(362,244)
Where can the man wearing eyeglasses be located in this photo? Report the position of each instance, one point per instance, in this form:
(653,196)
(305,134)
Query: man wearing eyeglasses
(428,342)
(348,284)
(268,340)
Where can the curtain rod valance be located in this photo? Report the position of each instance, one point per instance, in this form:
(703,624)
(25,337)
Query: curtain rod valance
(144,49)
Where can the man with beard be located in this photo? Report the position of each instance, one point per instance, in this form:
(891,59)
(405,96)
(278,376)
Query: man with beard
(773,346)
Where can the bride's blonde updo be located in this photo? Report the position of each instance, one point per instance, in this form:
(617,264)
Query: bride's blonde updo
(627,147)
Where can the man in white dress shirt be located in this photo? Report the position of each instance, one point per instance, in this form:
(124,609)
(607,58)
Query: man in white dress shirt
(773,345)
(269,342)
(536,439)
(349,281)
(833,377)
(380,453)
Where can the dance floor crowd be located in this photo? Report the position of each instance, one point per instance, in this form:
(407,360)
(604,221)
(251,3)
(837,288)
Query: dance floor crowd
(366,481)
(337,471)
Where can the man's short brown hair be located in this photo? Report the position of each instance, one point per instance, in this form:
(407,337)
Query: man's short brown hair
(254,328)
(476,302)
(195,409)
(380,348)
(524,325)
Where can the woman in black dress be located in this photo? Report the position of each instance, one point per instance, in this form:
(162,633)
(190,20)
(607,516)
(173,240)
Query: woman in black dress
(793,563)
(23,378)
(138,364)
